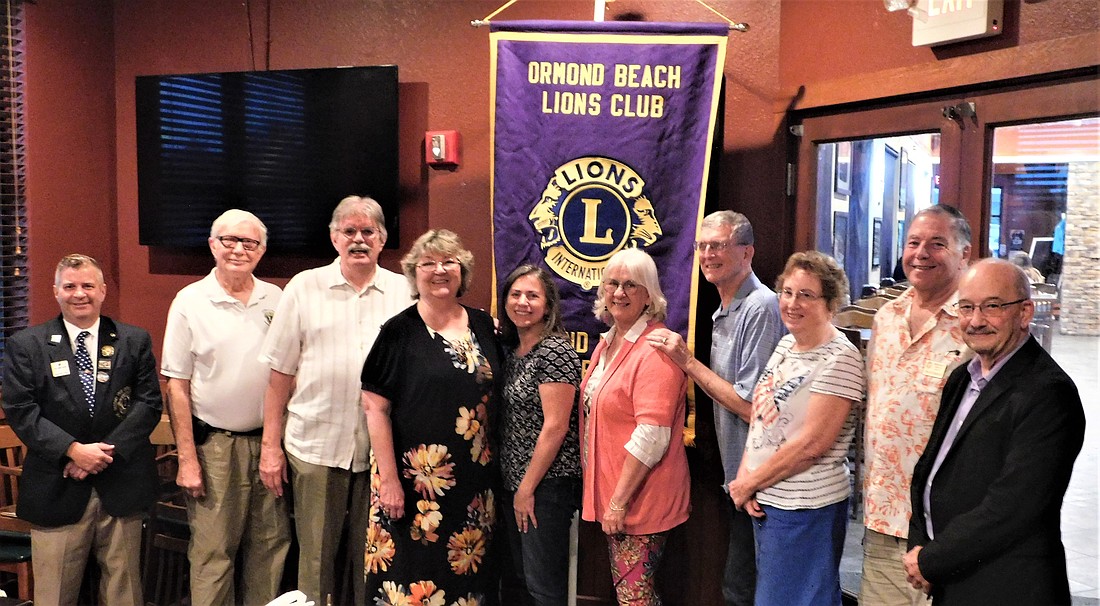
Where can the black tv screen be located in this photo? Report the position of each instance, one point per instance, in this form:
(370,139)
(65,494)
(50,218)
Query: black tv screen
(286,145)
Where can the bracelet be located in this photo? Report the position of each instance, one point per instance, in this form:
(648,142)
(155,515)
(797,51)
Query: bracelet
(616,508)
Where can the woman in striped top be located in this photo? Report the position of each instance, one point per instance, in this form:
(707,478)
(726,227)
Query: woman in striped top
(793,479)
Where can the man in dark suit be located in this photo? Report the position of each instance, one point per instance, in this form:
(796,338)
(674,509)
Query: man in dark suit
(81,392)
(987,492)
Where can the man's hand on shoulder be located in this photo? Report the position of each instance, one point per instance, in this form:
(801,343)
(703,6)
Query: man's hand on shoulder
(91,458)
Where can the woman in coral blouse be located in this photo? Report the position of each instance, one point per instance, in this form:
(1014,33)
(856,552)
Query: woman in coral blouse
(635,472)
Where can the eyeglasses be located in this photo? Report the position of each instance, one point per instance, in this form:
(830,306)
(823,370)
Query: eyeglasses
(801,296)
(989,309)
(713,246)
(628,286)
(246,243)
(445,265)
(367,232)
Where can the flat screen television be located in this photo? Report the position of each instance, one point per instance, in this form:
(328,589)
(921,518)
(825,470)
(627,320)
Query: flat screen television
(286,145)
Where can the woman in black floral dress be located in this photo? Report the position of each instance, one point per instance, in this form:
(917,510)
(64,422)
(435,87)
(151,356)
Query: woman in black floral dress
(428,392)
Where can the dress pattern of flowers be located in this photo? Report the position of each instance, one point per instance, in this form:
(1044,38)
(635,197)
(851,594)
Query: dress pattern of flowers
(442,403)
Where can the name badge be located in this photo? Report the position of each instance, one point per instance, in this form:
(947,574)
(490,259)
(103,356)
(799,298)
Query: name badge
(60,369)
(935,369)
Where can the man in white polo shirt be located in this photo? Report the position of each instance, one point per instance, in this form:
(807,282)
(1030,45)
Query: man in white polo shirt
(323,329)
(215,399)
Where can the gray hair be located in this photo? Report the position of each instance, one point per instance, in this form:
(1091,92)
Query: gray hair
(741,229)
(444,243)
(76,261)
(959,225)
(234,216)
(361,206)
(1020,282)
(641,268)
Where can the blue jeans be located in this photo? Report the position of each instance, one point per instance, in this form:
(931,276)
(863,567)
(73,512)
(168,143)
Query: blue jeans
(541,555)
(798,555)
(739,579)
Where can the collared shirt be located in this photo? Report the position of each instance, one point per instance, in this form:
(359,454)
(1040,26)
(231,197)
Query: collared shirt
(323,329)
(978,381)
(212,340)
(906,375)
(89,342)
(743,338)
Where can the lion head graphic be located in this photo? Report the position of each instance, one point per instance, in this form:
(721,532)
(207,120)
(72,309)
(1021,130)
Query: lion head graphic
(646,230)
(544,218)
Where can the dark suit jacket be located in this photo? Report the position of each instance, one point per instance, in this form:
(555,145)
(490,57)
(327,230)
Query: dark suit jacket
(49,413)
(996,500)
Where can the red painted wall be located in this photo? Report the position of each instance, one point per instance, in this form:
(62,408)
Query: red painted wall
(70,127)
(443,64)
(830,39)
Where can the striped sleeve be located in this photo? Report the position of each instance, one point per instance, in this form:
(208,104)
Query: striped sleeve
(843,374)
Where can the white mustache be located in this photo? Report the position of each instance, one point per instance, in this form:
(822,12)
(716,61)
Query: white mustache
(359,249)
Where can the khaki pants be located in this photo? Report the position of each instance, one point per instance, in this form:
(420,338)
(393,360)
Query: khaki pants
(237,514)
(59,555)
(321,500)
(884,581)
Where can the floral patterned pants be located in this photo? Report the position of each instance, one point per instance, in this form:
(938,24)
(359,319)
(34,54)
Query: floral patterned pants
(634,562)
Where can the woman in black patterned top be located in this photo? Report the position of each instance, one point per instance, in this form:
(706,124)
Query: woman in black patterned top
(539,449)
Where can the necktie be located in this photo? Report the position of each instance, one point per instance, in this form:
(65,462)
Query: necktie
(87,377)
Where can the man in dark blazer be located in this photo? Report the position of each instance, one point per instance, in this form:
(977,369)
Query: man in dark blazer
(81,391)
(987,492)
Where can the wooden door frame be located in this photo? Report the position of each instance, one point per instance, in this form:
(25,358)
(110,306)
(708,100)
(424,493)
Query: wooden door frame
(962,143)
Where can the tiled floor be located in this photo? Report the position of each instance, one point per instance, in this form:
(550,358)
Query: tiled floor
(1080,357)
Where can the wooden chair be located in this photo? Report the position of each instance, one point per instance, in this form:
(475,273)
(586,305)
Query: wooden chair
(15,538)
(167,578)
(1044,288)
(166,456)
(874,303)
(166,574)
(852,317)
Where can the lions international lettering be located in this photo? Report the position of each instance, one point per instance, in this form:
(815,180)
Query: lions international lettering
(592,208)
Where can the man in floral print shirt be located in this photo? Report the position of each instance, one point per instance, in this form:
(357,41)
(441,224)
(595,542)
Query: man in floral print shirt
(915,344)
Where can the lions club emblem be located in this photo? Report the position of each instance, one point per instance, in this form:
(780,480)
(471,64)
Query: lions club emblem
(592,208)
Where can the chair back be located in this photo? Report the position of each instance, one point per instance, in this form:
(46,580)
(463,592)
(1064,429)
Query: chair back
(12,452)
(872,302)
(853,317)
(1044,288)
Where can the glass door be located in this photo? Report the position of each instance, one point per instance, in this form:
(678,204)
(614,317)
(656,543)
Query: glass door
(1021,162)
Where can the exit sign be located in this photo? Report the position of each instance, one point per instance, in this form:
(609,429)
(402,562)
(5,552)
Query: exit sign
(943,21)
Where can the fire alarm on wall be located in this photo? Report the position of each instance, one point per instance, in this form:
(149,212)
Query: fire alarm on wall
(441,148)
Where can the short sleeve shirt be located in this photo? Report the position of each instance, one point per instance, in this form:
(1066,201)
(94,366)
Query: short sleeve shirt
(743,338)
(553,360)
(906,375)
(322,331)
(780,405)
(212,340)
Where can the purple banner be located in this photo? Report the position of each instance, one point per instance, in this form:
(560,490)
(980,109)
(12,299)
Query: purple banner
(602,135)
